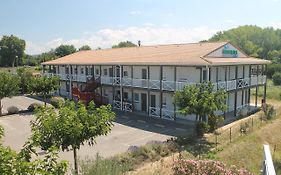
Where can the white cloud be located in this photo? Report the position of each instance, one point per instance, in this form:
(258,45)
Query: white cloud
(148,35)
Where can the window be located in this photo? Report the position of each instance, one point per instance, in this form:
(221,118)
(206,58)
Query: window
(105,72)
(204,75)
(97,71)
(67,70)
(136,97)
(82,70)
(75,70)
(125,73)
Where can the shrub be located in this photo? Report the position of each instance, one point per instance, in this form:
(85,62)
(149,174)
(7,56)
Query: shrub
(214,122)
(56,101)
(13,110)
(210,167)
(269,111)
(202,128)
(276,78)
(32,106)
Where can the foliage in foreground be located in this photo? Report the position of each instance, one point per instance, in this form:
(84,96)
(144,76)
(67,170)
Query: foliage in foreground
(128,161)
(71,126)
(202,101)
(13,163)
(8,86)
(208,167)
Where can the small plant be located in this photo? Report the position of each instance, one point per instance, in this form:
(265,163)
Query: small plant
(13,110)
(202,128)
(214,122)
(269,111)
(56,101)
(244,128)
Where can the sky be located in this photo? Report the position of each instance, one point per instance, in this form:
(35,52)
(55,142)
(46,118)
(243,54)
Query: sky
(46,24)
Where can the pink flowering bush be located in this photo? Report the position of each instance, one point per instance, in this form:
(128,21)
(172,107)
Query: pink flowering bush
(205,167)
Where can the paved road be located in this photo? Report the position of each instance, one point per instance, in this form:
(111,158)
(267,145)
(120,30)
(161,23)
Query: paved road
(128,130)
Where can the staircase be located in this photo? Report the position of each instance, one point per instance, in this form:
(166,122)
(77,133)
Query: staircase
(88,93)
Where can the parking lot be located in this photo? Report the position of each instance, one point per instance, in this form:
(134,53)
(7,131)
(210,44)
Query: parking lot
(129,130)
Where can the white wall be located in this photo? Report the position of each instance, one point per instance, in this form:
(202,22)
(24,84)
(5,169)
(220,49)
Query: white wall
(190,74)
(168,73)
(218,52)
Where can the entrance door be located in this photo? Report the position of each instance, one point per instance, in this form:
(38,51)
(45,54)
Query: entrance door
(143,102)
(153,101)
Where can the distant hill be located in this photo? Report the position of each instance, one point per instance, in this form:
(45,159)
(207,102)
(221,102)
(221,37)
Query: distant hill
(259,42)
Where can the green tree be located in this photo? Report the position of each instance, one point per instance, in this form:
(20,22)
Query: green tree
(276,78)
(44,86)
(200,100)
(9,86)
(85,47)
(25,77)
(11,50)
(12,162)
(124,44)
(71,126)
(64,50)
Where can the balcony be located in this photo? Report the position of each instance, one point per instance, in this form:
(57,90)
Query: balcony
(126,106)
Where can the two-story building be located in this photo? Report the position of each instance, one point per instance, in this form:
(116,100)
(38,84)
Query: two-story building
(143,79)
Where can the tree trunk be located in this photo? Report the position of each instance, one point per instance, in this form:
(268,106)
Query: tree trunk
(75,161)
(0,107)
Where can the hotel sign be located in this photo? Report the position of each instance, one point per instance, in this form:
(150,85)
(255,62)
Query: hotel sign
(227,51)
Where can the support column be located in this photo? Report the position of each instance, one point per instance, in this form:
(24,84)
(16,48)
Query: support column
(250,85)
(256,101)
(242,99)
(113,89)
(175,88)
(265,84)
(70,82)
(121,86)
(132,89)
(235,95)
(225,79)
(148,89)
(161,90)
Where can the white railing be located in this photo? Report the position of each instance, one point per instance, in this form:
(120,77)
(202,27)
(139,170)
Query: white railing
(222,85)
(254,81)
(127,81)
(267,163)
(167,114)
(63,76)
(168,85)
(116,80)
(180,85)
(117,105)
(154,112)
(81,78)
(127,107)
(140,83)
(107,80)
(154,84)
(231,85)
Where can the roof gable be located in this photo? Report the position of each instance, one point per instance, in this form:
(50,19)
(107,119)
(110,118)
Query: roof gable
(227,51)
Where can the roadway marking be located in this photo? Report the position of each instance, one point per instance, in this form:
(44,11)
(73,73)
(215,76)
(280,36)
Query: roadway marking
(141,121)
(159,125)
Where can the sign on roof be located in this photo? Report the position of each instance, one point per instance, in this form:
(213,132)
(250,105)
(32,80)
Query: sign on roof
(227,51)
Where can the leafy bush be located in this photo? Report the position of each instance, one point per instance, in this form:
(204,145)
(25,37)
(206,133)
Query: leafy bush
(214,122)
(202,128)
(276,78)
(269,111)
(32,106)
(56,101)
(210,167)
(13,110)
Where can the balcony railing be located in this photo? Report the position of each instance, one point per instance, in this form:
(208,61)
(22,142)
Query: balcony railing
(166,85)
(167,114)
(154,112)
